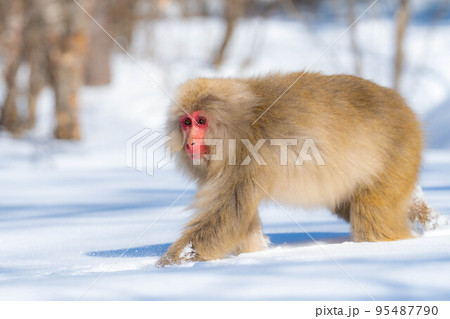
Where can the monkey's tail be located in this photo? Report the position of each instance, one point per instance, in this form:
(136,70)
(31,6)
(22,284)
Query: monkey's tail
(422,216)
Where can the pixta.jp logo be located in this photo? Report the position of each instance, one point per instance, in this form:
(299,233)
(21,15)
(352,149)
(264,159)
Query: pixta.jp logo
(145,151)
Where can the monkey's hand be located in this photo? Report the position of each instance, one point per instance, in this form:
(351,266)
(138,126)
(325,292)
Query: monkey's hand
(177,254)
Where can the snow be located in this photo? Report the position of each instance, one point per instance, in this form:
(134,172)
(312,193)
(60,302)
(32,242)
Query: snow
(188,252)
(76,223)
(438,117)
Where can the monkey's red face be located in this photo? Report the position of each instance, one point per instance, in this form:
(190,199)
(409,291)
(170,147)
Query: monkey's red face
(194,127)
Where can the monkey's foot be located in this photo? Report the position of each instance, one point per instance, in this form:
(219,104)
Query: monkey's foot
(255,242)
(175,257)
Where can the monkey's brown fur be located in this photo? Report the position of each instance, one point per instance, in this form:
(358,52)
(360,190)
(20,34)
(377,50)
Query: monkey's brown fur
(369,138)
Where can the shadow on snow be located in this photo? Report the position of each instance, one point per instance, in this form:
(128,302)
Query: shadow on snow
(291,239)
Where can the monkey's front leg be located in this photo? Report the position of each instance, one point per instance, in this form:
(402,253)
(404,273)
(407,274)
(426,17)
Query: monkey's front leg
(220,227)
(179,252)
(200,243)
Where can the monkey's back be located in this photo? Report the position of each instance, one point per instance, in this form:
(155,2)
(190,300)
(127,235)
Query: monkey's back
(365,133)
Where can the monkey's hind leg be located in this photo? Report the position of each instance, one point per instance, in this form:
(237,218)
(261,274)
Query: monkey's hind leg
(342,210)
(254,239)
(379,213)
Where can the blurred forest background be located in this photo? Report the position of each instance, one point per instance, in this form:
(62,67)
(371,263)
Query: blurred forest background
(55,44)
(72,99)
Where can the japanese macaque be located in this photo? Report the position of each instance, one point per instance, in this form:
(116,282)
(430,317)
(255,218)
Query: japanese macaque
(337,141)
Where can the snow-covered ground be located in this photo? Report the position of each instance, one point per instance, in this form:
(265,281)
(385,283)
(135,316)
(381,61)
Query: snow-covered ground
(76,223)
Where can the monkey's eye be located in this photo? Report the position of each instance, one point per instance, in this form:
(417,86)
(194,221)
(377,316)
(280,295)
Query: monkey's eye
(187,121)
(202,121)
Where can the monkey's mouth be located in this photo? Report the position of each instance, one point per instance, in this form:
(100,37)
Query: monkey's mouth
(197,151)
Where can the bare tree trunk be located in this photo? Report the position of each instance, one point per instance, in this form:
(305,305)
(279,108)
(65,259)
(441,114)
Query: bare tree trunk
(35,55)
(68,66)
(354,42)
(124,18)
(14,24)
(36,84)
(67,37)
(98,70)
(119,19)
(291,9)
(402,21)
(233,10)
